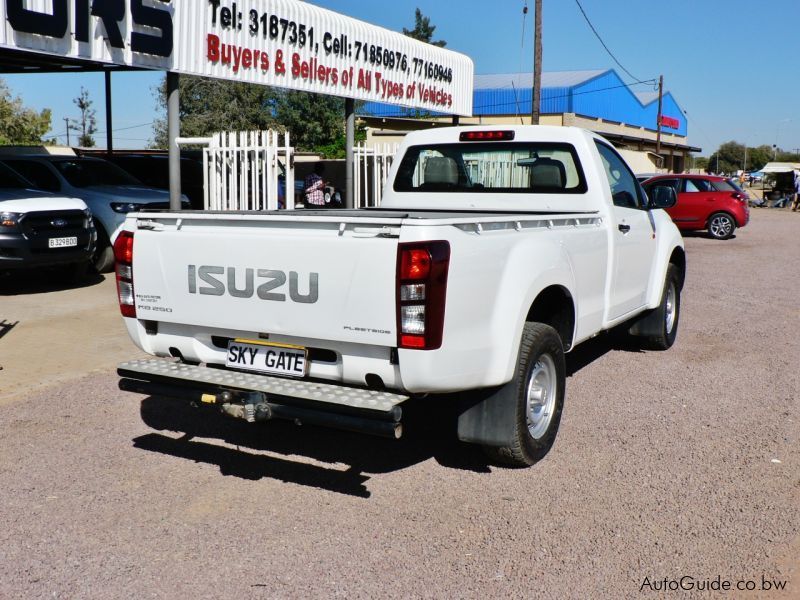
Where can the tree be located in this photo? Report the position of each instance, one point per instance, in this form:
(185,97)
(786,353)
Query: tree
(87,122)
(730,157)
(423,30)
(210,105)
(20,125)
(758,157)
(315,121)
(785,155)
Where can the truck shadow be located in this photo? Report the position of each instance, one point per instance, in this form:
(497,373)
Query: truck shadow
(328,459)
(595,348)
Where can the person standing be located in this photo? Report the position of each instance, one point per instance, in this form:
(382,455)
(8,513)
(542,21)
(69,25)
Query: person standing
(314,187)
(796,192)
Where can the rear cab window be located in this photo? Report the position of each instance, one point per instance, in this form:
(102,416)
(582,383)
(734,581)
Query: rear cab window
(478,167)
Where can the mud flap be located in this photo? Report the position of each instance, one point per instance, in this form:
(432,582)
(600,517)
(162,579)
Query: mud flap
(648,324)
(488,416)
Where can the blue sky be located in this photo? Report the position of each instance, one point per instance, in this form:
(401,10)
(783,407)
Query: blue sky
(730,64)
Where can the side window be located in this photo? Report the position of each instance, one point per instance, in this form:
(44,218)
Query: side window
(624,188)
(699,185)
(38,174)
(673,183)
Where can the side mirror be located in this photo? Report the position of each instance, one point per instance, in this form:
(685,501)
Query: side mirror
(662,196)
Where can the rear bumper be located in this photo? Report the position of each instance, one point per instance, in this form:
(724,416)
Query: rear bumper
(264,397)
(19,252)
(743,217)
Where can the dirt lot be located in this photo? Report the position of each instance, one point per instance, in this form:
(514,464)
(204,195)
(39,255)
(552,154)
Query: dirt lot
(667,465)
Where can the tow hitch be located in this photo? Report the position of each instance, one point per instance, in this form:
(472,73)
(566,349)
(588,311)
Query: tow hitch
(313,403)
(250,406)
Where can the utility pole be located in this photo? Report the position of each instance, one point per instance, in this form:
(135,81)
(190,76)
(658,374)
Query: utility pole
(744,167)
(536,95)
(658,124)
(66,120)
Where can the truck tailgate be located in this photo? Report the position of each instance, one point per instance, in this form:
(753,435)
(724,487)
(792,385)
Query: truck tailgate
(322,278)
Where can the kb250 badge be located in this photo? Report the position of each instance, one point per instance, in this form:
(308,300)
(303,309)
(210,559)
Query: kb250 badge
(112,14)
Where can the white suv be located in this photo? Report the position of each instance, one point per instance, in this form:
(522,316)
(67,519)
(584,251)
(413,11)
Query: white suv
(109,192)
(39,229)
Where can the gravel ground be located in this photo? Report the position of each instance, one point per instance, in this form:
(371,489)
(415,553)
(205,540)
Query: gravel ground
(683,463)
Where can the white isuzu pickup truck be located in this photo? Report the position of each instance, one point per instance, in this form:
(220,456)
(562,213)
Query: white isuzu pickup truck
(494,252)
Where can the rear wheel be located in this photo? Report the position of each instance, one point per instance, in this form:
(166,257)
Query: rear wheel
(661,325)
(538,386)
(103,257)
(721,226)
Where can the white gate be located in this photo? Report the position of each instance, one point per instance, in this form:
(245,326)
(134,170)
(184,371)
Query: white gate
(248,170)
(371,167)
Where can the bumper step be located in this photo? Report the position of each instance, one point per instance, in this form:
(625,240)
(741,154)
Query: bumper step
(329,397)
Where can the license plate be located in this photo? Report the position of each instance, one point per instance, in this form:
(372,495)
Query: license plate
(64,242)
(266,357)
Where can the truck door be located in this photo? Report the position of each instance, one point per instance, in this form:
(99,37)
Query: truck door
(633,234)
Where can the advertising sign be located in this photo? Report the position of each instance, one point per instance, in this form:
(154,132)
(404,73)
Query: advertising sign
(282,43)
(670,122)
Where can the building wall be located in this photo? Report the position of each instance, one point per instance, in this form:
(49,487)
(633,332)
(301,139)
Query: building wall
(607,97)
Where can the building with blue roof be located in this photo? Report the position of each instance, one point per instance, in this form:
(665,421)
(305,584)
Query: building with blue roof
(598,100)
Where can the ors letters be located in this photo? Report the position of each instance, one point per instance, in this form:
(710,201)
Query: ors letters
(110,12)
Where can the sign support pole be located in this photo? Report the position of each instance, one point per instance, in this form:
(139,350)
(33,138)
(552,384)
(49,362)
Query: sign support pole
(109,120)
(173,131)
(350,141)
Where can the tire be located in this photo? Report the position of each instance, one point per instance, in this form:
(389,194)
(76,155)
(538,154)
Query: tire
(538,386)
(103,257)
(721,226)
(662,323)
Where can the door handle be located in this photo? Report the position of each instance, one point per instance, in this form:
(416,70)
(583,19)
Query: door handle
(624,228)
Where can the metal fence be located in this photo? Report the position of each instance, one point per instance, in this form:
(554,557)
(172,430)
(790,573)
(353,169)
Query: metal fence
(371,167)
(248,170)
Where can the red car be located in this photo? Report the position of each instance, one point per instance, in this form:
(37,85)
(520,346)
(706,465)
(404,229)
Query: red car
(705,202)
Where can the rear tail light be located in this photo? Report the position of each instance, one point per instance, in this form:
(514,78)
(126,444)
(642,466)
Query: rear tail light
(421,293)
(123,254)
(740,197)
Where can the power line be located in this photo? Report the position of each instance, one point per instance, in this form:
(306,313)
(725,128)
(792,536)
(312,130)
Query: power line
(113,130)
(611,54)
(126,128)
